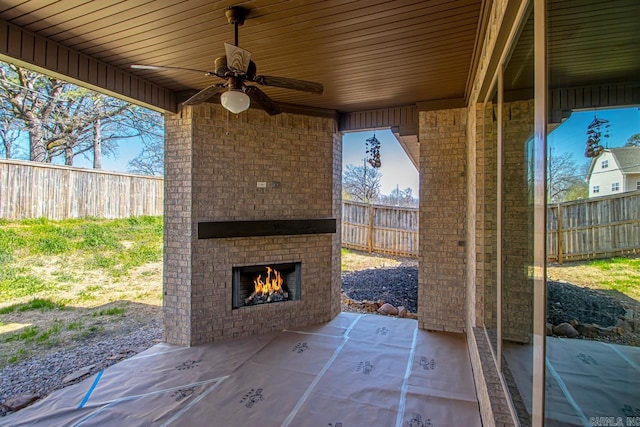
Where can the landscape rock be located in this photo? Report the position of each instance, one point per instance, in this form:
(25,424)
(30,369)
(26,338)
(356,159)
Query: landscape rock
(588,330)
(387,309)
(626,325)
(565,330)
(402,312)
(413,316)
(370,306)
(610,331)
(19,401)
(549,329)
(78,374)
(121,355)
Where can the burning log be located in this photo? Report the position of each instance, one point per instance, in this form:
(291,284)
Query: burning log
(250,298)
(268,290)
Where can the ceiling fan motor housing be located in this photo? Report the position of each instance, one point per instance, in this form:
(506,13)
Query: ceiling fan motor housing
(221,69)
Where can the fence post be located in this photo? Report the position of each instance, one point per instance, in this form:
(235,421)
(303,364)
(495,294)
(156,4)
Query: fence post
(370,228)
(559,231)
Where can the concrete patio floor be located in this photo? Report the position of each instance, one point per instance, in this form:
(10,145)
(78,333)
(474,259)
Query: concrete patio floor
(357,370)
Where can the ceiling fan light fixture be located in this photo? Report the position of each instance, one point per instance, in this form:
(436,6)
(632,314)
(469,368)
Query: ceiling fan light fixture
(235,101)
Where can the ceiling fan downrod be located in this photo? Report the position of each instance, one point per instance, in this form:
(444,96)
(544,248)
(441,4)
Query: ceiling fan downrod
(236,16)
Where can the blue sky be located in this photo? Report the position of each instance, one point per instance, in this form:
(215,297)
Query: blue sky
(396,169)
(571,136)
(127,150)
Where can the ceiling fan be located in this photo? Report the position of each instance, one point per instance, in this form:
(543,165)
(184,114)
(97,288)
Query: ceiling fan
(237,68)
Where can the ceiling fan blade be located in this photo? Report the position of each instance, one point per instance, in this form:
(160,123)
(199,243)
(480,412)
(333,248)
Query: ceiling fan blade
(163,68)
(261,98)
(237,58)
(205,94)
(287,83)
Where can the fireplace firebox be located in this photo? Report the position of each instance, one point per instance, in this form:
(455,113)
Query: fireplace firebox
(266,284)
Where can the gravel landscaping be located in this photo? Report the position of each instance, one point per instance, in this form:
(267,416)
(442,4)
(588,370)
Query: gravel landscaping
(567,302)
(396,285)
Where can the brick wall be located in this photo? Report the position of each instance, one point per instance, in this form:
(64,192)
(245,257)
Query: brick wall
(177,228)
(517,223)
(298,152)
(470,227)
(441,281)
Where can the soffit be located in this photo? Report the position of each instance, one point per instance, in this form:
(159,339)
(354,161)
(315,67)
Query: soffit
(590,42)
(368,54)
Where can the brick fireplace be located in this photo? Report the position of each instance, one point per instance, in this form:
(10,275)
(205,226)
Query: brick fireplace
(256,191)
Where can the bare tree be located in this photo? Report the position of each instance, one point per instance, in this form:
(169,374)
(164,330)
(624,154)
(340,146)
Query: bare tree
(22,92)
(362,183)
(65,120)
(399,197)
(87,120)
(9,133)
(565,179)
(150,129)
(150,160)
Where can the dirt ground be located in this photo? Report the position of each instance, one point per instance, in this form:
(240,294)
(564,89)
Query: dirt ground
(100,307)
(355,260)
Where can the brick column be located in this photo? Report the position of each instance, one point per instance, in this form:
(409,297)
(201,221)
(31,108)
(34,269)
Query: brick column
(177,228)
(442,274)
(336,272)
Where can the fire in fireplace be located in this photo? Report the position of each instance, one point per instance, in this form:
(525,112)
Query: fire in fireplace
(264,284)
(268,290)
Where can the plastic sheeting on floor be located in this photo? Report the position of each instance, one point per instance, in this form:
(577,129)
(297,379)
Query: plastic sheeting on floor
(357,370)
(585,380)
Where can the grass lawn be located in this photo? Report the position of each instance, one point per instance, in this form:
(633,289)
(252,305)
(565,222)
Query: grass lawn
(614,276)
(65,281)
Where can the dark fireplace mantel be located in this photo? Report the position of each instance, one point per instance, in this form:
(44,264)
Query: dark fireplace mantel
(282,227)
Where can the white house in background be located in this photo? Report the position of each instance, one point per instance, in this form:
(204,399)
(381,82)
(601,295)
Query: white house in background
(615,170)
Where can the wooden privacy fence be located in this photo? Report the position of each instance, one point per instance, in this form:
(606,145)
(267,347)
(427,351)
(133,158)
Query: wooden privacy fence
(599,227)
(33,190)
(594,228)
(383,229)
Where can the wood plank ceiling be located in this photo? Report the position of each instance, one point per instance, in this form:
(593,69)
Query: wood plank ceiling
(591,42)
(369,54)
